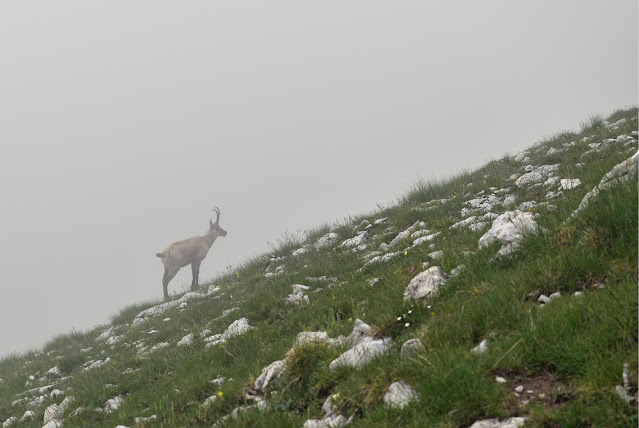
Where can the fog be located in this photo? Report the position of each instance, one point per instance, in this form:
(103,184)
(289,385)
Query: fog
(122,124)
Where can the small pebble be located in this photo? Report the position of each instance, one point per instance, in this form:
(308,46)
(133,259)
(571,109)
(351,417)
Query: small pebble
(500,379)
(519,389)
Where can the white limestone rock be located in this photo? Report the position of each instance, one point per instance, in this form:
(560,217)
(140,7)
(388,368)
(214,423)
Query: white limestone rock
(423,239)
(237,328)
(186,340)
(362,353)
(307,337)
(356,241)
(329,421)
(509,229)
(465,222)
(146,314)
(481,348)
(484,203)
(569,183)
(361,330)
(54,372)
(436,255)
(113,404)
(425,283)
(515,422)
(327,240)
(300,251)
(536,175)
(399,395)
(269,373)
(140,420)
(52,412)
(10,422)
(622,172)
(29,414)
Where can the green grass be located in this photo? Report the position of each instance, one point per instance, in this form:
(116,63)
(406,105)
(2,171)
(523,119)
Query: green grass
(577,345)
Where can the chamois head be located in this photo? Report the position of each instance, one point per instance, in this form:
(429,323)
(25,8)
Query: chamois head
(215,227)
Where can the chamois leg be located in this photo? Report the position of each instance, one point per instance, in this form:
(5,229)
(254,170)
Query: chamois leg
(168,276)
(195,268)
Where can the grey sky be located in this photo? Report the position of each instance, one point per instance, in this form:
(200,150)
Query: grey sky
(122,124)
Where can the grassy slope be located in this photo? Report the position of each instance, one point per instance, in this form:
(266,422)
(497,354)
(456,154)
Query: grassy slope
(575,347)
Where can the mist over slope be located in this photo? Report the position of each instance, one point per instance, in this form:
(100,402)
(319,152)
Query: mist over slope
(505,296)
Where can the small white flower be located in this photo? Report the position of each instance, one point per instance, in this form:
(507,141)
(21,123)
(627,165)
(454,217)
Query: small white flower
(410,311)
(399,318)
(407,324)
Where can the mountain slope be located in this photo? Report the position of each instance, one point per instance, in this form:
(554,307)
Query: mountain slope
(199,360)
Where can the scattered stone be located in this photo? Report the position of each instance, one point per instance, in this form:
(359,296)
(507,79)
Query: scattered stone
(54,372)
(399,395)
(375,281)
(425,283)
(146,314)
(519,389)
(306,337)
(269,373)
(298,296)
(210,400)
(299,251)
(436,255)
(237,328)
(481,348)
(555,295)
(186,340)
(141,420)
(457,270)
(423,239)
(362,353)
(357,241)
(579,293)
(37,402)
(500,379)
(411,347)
(569,183)
(405,234)
(509,229)
(536,175)
(10,422)
(29,414)
(465,222)
(113,404)
(495,423)
(544,299)
(327,240)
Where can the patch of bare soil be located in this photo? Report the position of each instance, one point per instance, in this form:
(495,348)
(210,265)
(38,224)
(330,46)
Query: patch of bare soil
(540,388)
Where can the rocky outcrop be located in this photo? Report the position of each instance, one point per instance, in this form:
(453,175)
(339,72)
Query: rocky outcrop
(509,229)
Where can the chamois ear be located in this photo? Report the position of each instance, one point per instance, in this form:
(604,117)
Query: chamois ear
(210,224)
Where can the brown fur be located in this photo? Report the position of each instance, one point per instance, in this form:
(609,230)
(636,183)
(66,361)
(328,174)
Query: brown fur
(188,252)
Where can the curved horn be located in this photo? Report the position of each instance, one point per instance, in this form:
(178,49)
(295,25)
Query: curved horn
(217,211)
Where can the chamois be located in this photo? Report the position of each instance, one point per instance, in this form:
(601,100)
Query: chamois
(189,251)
